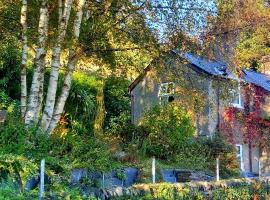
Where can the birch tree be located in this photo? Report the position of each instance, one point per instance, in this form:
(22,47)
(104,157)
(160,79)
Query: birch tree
(34,101)
(55,64)
(24,57)
(72,60)
(64,28)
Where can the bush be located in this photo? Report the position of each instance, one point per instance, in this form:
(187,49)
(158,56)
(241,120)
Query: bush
(169,128)
(218,146)
(10,58)
(232,194)
(77,148)
(165,191)
(194,155)
(117,100)
(81,103)
(8,192)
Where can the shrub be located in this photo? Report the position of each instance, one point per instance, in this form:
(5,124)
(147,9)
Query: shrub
(117,101)
(10,67)
(232,194)
(194,155)
(8,192)
(169,128)
(165,191)
(81,103)
(218,146)
(77,148)
(130,134)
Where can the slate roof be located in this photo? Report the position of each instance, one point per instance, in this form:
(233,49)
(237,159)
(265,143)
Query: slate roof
(217,68)
(210,67)
(258,79)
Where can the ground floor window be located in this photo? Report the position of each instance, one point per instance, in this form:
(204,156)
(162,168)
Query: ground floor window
(239,155)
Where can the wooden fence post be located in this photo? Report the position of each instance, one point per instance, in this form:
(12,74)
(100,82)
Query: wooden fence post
(154,170)
(42,172)
(217,169)
(103,180)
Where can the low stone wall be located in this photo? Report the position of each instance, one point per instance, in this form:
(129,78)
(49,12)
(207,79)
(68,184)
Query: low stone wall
(204,187)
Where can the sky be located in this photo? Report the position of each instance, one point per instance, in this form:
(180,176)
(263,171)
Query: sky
(190,16)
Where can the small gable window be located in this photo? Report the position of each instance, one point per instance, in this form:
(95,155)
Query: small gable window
(236,96)
(166,92)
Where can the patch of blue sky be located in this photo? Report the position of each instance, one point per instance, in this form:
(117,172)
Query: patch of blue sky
(164,17)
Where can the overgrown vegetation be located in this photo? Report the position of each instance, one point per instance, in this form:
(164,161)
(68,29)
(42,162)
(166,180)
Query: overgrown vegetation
(169,128)
(164,191)
(119,48)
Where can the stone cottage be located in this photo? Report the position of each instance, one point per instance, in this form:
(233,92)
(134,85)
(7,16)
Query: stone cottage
(162,81)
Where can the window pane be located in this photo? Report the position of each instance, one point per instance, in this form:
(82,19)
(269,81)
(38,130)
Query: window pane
(170,89)
(163,100)
(236,96)
(238,150)
(163,89)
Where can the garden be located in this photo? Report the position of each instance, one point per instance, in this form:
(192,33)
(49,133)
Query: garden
(67,129)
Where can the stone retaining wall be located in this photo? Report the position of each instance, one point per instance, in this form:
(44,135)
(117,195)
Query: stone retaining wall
(205,187)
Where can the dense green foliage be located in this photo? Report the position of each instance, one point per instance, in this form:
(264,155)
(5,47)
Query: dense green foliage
(81,104)
(10,67)
(58,191)
(169,128)
(117,101)
(201,154)
(241,191)
(17,140)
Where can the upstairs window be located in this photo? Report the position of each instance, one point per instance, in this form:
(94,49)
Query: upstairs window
(236,96)
(166,92)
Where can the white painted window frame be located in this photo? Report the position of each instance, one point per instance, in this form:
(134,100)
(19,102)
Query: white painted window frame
(240,155)
(240,103)
(165,95)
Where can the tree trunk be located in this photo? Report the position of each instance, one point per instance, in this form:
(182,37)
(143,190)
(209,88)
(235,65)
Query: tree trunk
(33,104)
(24,58)
(60,10)
(41,75)
(41,91)
(100,113)
(52,88)
(72,60)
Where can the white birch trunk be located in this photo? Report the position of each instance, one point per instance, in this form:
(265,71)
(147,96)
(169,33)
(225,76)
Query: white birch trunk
(42,71)
(72,60)
(52,88)
(41,91)
(23,22)
(33,104)
(60,10)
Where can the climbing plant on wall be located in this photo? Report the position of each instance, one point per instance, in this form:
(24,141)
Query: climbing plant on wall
(248,120)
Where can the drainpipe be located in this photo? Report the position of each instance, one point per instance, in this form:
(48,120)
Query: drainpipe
(250,156)
(247,110)
(218,107)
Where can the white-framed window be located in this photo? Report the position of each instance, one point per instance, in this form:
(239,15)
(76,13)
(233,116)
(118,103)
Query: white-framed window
(239,155)
(166,92)
(236,96)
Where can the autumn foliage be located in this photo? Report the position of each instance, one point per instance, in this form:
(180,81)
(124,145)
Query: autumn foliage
(249,120)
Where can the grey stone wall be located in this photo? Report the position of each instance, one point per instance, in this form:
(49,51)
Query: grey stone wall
(145,94)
